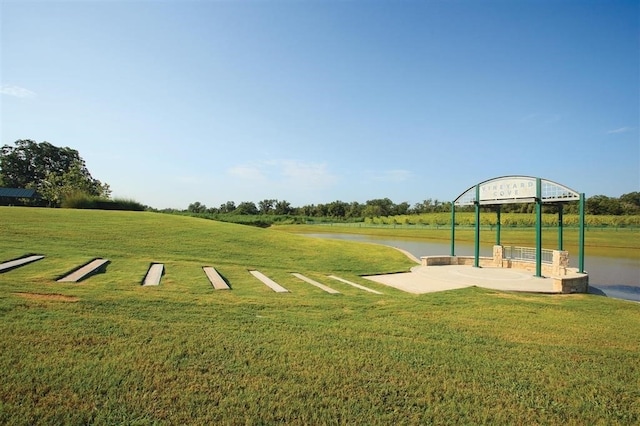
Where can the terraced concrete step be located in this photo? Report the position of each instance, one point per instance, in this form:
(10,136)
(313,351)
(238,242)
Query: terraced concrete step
(19,262)
(214,277)
(88,269)
(269,282)
(361,287)
(154,274)
(315,283)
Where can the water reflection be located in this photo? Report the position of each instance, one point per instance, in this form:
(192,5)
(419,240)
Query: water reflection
(610,276)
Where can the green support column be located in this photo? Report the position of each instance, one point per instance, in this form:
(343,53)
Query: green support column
(476,261)
(498,226)
(453,229)
(581,236)
(538,227)
(560,229)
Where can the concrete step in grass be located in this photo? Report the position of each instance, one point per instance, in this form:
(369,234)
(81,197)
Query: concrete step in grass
(269,282)
(315,283)
(154,274)
(12,264)
(216,280)
(361,287)
(84,271)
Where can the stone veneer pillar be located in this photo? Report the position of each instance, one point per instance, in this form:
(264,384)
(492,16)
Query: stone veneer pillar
(498,256)
(560,262)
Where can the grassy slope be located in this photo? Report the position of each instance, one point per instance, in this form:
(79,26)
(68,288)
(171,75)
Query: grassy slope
(182,353)
(132,240)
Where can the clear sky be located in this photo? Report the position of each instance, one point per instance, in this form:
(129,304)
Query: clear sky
(172,102)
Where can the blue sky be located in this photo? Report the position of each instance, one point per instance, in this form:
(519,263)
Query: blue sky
(314,101)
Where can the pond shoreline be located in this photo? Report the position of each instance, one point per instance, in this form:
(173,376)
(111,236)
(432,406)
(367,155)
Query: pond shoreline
(609,276)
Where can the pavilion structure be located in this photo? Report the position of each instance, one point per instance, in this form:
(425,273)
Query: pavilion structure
(494,193)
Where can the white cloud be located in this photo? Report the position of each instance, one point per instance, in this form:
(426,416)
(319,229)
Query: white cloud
(394,176)
(307,174)
(620,130)
(17,91)
(246,172)
(290,173)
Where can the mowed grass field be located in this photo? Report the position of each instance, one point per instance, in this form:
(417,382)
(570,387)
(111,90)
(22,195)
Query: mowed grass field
(109,351)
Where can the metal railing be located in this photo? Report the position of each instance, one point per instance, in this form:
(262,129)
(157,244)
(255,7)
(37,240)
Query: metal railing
(527,254)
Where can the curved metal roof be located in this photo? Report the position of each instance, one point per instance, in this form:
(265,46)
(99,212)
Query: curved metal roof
(515,189)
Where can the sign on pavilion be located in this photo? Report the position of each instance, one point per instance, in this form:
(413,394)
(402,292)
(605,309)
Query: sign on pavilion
(514,190)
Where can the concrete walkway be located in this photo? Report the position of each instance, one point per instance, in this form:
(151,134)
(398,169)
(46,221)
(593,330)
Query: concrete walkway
(428,279)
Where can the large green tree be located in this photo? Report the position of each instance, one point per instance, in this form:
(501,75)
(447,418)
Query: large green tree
(53,171)
(246,207)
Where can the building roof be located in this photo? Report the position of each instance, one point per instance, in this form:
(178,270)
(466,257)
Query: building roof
(18,193)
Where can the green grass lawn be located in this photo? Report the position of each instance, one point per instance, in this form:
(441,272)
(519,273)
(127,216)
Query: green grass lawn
(108,351)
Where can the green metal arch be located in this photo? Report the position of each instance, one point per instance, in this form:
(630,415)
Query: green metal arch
(512,189)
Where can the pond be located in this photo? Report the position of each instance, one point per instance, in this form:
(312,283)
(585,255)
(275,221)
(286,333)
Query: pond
(610,276)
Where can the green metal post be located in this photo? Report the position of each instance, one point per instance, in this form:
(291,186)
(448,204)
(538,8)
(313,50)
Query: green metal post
(538,227)
(498,227)
(581,237)
(453,229)
(476,261)
(560,228)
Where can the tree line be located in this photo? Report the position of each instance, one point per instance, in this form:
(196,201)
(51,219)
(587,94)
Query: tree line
(60,175)
(627,204)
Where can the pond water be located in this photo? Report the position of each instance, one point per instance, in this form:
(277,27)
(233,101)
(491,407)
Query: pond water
(610,276)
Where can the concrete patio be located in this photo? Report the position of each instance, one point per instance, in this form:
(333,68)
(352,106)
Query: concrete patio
(427,279)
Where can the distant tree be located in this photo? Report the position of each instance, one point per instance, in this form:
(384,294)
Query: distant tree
(372,210)
(321,210)
(197,207)
(266,206)
(379,207)
(402,208)
(306,210)
(51,170)
(246,207)
(354,210)
(630,203)
(425,206)
(601,204)
(337,209)
(283,207)
(227,207)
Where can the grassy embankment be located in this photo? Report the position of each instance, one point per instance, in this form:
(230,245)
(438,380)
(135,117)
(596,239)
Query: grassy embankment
(107,350)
